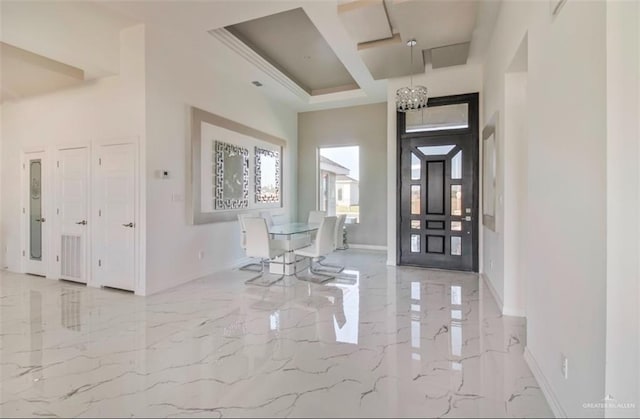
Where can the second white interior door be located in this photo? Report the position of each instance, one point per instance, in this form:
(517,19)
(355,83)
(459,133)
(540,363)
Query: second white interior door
(116,222)
(72,174)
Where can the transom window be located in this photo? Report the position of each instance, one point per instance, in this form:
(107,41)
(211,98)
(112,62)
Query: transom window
(438,118)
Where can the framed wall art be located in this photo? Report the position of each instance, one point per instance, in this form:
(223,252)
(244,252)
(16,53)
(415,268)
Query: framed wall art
(489,172)
(233,168)
(267,181)
(232,176)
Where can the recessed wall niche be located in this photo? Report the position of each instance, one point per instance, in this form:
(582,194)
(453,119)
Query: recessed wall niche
(233,168)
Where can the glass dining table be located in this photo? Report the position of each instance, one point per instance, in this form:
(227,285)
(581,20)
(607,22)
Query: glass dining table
(290,229)
(290,236)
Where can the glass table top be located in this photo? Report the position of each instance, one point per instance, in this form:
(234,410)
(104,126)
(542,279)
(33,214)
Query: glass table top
(292,228)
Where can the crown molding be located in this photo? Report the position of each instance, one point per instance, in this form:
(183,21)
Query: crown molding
(242,49)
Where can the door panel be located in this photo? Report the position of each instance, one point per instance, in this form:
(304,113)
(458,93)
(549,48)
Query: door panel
(438,197)
(435,187)
(35,208)
(116,216)
(72,208)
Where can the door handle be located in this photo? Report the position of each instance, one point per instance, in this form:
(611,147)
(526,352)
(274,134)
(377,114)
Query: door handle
(40,220)
(128,225)
(83,222)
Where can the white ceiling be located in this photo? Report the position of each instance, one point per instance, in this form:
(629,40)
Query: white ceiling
(442,29)
(27,74)
(365,20)
(89,42)
(188,23)
(80,34)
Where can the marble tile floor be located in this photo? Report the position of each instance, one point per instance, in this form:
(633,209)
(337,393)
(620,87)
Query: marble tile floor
(378,342)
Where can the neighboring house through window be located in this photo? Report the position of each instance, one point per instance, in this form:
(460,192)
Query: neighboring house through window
(339,181)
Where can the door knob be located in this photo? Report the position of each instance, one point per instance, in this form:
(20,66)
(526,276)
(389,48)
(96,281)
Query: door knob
(128,225)
(83,222)
(40,220)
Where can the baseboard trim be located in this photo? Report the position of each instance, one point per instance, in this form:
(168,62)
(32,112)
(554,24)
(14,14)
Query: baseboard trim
(367,247)
(241,262)
(494,293)
(548,392)
(513,312)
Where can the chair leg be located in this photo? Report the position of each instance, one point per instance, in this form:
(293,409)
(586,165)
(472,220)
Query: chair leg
(250,267)
(264,283)
(327,267)
(314,275)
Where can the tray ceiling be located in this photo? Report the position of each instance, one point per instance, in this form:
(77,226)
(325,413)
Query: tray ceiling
(291,43)
(443,30)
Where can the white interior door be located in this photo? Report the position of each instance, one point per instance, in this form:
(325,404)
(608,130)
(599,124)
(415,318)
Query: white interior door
(115,189)
(72,178)
(35,210)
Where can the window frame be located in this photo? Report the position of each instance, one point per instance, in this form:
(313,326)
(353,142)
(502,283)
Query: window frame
(320,179)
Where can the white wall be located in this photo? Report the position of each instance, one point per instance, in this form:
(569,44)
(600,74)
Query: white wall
(108,108)
(439,82)
(513,149)
(566,204)
(177,78)
(623,205)
(3,250)
(504,249)
(365,127)
(2,246)
(2,234)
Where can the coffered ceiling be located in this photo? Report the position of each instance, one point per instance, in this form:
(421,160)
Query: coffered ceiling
(442,29)
(295,49)
(307,54)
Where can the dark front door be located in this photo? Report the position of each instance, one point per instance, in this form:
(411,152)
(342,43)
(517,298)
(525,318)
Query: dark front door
(438,176)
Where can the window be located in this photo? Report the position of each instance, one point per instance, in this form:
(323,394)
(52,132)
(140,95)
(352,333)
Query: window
(438,118)
(339,181)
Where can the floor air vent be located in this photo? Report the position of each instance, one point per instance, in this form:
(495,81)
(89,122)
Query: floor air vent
(71,257)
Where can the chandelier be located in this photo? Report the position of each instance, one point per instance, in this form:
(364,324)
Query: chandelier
(414,97)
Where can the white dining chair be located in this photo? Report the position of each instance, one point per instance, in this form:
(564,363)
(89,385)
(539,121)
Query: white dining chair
(267,216)
(289,243)
(322,246)
(339,238)
(315,217)
(337,243)
(260,245)
(253,267)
